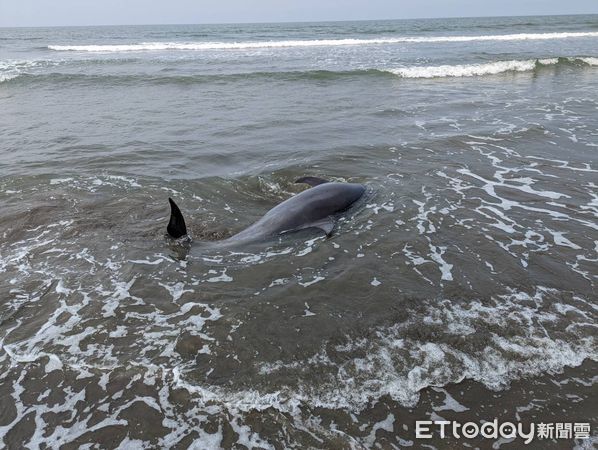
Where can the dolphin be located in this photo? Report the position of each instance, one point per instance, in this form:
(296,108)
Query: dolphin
(313,208)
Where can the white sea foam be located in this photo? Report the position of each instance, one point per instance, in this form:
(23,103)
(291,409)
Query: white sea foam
(386,425)
(489,68)
(10,69)
(159,46)
(314,281)
(590,60)
(7,76)
(494,366)
(223,277)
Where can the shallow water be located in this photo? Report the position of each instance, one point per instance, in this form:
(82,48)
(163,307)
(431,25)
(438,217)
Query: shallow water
(471,266)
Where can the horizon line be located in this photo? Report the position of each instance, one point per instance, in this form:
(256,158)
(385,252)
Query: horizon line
(295,22)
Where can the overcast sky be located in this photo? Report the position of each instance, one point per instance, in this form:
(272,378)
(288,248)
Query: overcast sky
(122,12)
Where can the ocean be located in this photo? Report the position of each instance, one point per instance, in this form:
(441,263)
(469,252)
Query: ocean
(463,288)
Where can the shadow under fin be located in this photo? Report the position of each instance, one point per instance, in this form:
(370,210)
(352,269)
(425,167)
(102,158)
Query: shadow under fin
(326,225)
(312,181)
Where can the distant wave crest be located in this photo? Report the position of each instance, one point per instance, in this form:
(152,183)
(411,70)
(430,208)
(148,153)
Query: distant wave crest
(161,46)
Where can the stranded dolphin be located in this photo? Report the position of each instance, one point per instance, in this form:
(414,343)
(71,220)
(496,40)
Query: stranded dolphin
(312,208)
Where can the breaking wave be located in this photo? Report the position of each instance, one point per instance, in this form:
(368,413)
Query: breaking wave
(490,68)
(159,46)
(28,71)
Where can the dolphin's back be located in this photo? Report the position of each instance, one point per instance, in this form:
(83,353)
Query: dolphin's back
(302,210)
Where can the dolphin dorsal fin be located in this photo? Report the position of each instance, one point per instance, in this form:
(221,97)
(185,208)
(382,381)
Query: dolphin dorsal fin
(176,227)
(312,181)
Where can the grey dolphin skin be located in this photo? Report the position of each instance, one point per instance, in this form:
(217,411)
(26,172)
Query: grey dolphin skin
(312,208)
